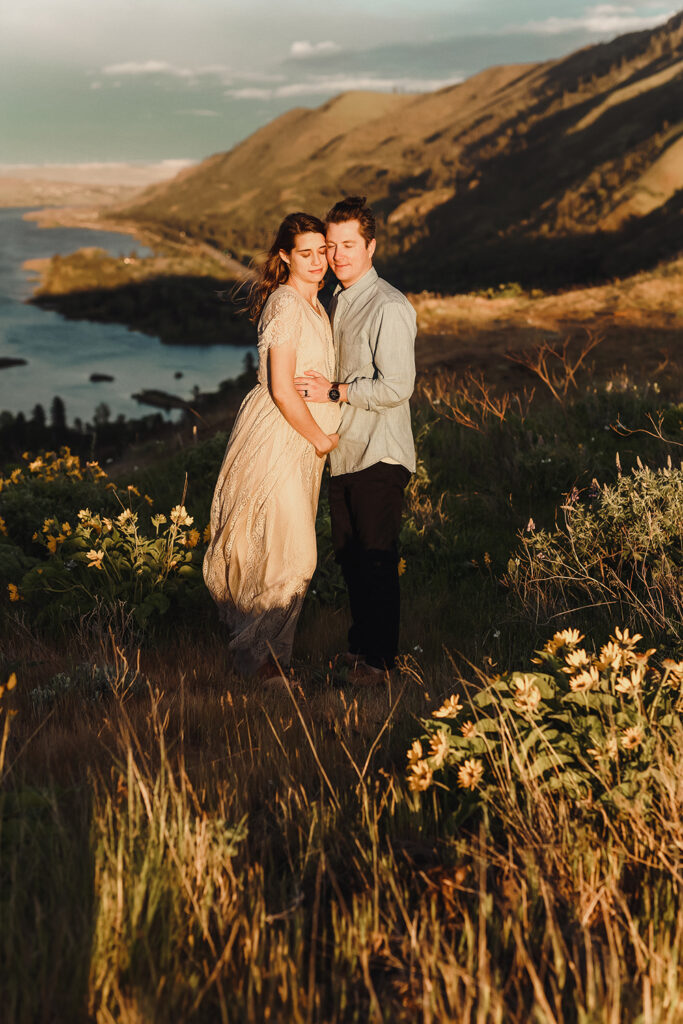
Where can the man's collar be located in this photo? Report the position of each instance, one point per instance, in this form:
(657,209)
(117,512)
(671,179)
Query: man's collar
(359,286)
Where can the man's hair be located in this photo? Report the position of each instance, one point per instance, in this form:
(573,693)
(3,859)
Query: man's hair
(354,208)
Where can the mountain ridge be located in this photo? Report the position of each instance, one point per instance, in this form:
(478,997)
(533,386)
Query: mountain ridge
(555,173)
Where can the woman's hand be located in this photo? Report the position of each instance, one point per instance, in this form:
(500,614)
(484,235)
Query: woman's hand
(333,440)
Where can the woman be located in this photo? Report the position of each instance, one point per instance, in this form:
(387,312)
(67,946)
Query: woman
(262,552)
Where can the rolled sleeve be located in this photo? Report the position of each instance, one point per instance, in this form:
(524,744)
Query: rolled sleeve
(393,379)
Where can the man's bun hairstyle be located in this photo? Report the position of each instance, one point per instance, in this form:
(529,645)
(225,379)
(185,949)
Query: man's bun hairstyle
(354,208)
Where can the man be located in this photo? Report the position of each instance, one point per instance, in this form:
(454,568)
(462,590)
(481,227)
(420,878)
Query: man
(374,334)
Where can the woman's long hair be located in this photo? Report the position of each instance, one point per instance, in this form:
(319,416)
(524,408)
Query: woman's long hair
(275,271)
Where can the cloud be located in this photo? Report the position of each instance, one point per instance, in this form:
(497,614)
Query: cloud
(603,19)
(323,85)
(147,67)
(303,49)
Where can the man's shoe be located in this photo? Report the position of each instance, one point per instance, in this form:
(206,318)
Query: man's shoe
(367,675)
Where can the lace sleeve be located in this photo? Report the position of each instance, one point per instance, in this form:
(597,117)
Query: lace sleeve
(280,320)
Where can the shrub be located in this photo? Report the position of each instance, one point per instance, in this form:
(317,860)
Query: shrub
(602,729)
(621,546)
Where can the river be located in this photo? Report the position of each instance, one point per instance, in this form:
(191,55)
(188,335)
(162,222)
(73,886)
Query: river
(61,354)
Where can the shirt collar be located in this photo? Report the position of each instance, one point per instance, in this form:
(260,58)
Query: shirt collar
(358,287)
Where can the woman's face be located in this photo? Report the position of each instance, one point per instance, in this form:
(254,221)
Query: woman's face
(308,259)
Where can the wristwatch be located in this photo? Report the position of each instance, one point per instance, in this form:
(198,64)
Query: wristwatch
(334,393)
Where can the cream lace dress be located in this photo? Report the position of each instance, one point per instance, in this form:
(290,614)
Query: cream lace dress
(262,552)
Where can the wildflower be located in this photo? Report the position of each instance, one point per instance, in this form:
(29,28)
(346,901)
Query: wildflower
(419,776)
(470,773)
(468,730)
(15,476)
(192,539)
(449,709)
(47,525)
(157,520)
(487,560)
(613,656)
(51,544)
(623,637)
(107,524)
(150,501)
(401,566)
(206,536)
(415,752)
(95,559)
(439,747)
(585,680)
(564,638)
(673,670)
(133,490)
(66,529)
(527,694)
(632,683)
(576,658)
(612,747)
(85,515)
(26,456)
(36,465)
(632,737)
(13,590)
(3,528)
(530,526)
(180,517)
(124,517)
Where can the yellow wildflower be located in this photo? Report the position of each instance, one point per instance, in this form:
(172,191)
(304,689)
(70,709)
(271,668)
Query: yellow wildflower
(13,590)
(126,519)
(85,514)
(107,524)
(419,776)
(180,517)
(15,476)
(192,539)
(401,566)
(95,559)
(150,501)
(439,746)
(26,456)
(468,730)
(673,670)
(157,520)
(47,525)
(470,773)
(3,527)
(51,544)
(36,465)
(451,708)
(632,683)
(623,637)
(613,656)
(564,638)
(576,658)
(632,737)
(133,490)
(415,752)
(585,680)
(206,536)
(66,529)
(527,695)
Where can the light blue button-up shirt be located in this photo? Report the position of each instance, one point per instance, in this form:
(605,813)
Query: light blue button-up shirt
(374,329)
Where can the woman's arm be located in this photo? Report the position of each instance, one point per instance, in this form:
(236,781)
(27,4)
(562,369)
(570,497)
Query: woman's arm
(281,370)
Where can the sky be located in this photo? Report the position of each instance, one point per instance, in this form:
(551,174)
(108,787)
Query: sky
(89,81)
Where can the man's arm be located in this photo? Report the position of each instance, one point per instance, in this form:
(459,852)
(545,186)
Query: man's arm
(394,361)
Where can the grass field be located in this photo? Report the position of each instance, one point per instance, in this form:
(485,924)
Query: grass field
(179,845)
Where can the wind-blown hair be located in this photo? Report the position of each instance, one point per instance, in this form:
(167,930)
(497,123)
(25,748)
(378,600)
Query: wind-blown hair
(275,271)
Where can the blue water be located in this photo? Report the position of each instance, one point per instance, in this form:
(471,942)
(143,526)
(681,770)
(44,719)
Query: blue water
(62,353)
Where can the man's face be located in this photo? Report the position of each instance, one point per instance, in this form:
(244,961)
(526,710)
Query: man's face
(347,252)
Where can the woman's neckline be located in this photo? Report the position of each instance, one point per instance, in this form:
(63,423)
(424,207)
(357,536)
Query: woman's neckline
(315,309)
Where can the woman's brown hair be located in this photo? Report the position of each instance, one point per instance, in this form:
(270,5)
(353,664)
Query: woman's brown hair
(275,271)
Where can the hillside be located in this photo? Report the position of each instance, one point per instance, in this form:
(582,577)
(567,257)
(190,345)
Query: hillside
(556,173)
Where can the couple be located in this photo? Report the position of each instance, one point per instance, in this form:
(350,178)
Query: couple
(315,397)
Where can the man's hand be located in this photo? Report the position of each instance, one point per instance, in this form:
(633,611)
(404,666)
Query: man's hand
(313,387)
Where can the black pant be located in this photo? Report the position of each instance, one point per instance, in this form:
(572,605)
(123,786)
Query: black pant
(366,520)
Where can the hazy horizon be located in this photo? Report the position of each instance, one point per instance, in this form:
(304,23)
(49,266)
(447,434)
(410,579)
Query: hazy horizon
(194,79)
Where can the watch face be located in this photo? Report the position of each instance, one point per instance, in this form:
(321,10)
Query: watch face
(333,394)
